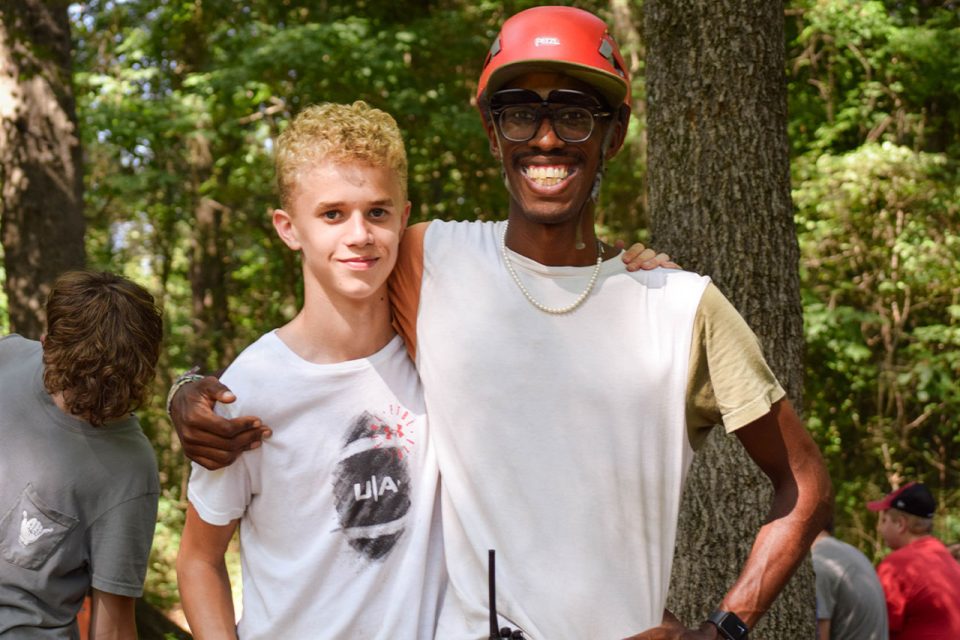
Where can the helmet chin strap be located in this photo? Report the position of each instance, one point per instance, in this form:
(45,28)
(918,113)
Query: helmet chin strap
(503,167)
(578,243)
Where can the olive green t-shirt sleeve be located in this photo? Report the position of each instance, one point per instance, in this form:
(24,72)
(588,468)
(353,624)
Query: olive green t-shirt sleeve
(729,382)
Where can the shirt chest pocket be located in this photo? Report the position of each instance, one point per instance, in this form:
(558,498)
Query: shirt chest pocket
(31,531)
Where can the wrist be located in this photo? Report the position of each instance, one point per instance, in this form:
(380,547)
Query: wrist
(728,625)
(187,377)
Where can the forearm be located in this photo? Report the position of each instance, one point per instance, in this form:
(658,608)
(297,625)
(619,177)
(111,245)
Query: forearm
(206,598)
(823,629)
(786,453)
(775,556)
(202,577)
(112,617)
(799,511)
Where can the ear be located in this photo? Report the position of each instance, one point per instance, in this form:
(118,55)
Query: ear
(405,219)
(620,123)
(283,223)
(899,521)
(492,136)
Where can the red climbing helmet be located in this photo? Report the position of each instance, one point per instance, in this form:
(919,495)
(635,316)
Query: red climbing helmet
(559,39)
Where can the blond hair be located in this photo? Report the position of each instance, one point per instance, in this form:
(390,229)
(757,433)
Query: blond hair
(102,344)
(338,132)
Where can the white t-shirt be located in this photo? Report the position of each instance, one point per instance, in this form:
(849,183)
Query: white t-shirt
(339,515)
(563,440)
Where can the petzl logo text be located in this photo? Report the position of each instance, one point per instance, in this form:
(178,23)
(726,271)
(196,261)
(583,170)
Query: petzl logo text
(546,42)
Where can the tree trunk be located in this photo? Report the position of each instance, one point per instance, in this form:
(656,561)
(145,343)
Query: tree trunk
(720,202)
(208,274)
(41,179)
(208,266)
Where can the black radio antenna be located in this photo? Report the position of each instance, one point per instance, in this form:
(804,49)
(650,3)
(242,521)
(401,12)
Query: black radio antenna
(492,585)
(506,632)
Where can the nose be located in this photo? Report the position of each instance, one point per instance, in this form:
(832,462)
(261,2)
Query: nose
(358,230)
(546,137)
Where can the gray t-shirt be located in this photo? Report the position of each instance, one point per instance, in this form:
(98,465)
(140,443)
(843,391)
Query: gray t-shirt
(77,503)
(848,592)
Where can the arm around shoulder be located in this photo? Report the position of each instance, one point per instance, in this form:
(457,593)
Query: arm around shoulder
(209,439)
(404,284)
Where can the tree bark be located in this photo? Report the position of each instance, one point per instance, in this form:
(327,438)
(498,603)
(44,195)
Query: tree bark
(208,261)
(41,180)
(720,203)
(208,272)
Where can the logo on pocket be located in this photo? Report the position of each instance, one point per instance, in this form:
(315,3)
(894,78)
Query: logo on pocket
(31,530)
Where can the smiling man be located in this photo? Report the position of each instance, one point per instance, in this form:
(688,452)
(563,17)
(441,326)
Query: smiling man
(566,395)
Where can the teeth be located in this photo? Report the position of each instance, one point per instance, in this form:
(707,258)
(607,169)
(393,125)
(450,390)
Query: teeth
(546,175)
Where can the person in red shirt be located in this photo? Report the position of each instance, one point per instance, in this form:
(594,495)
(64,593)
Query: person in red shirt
(921,580)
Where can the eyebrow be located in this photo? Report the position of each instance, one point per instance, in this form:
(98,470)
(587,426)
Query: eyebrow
(382,202)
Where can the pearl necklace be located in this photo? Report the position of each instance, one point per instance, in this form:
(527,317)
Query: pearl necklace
(526,294)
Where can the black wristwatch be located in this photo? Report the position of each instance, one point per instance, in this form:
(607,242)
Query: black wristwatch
(730,626)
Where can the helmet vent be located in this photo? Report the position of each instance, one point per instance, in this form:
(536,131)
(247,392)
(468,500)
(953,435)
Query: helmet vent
(494,48)
(606,50)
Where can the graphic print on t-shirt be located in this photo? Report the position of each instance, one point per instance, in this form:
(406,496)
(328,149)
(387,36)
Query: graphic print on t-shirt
(371,483)
(31,530)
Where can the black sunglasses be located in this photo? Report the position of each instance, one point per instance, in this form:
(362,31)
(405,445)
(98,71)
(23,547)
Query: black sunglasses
(520,112)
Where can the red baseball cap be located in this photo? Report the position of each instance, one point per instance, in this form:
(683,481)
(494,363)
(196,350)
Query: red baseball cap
(913,498)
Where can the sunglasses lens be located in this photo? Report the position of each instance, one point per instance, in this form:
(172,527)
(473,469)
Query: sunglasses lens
(571,124)
(519,124)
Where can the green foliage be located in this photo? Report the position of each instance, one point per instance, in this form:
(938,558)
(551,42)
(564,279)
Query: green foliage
(873,91)
(879,230)
(870,71)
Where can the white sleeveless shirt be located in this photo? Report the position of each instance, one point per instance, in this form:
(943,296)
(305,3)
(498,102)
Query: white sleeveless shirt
(561,439)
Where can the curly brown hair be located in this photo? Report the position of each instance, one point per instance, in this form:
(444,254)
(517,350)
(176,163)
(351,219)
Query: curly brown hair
(102,344)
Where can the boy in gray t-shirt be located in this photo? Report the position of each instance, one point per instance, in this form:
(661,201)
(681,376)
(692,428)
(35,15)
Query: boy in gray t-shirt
(78,479)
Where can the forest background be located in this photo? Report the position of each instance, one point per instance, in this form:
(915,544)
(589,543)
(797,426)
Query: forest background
(179,103)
